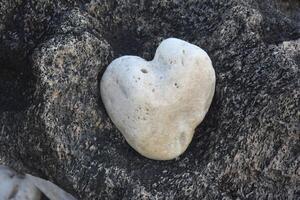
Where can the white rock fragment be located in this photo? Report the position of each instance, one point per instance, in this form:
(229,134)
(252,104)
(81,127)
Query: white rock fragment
(18,187)
(53,192)
(15,186)
(157,104)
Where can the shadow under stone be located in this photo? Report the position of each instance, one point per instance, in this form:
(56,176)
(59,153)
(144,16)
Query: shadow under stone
(16,87)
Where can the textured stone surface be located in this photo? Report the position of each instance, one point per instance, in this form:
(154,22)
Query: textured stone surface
(157,104)
(53,53)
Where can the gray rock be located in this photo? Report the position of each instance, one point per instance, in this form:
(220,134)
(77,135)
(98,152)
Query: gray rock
(53,123)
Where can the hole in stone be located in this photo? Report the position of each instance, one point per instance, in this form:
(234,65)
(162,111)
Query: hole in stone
(144,71)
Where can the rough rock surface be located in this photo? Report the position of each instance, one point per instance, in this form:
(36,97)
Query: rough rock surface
(53,124)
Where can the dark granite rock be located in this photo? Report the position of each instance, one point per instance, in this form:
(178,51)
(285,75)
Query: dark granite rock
(53,124)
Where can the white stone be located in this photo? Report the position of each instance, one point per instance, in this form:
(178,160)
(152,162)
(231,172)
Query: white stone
(14,186)
(158,104)
(17,187)
(50,190)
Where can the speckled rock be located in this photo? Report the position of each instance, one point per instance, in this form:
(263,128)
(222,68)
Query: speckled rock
(53,123)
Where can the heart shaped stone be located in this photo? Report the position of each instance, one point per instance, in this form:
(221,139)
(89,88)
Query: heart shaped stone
(158,104)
